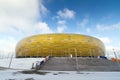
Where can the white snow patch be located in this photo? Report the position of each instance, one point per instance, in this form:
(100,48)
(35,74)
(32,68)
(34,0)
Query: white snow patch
(64,75)
(19,63)
(26,63)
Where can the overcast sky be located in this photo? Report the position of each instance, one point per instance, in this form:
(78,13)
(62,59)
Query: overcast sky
(22,18)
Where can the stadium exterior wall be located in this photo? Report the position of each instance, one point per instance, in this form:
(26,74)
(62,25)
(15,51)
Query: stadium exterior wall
(60,45)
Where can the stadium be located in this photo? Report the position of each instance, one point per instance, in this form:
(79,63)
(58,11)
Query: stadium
(60,45)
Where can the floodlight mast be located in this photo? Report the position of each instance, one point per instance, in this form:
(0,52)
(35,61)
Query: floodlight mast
(116,57)
(76,60)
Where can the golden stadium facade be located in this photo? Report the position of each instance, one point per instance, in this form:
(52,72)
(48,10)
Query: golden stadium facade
(60,45)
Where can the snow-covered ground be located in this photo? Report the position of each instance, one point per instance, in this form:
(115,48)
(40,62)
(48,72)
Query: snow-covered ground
(26,63)
(19,63)
(57,75)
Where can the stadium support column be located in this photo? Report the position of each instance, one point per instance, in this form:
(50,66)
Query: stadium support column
(51,53)
(68,52)
(90,52)
(76,59)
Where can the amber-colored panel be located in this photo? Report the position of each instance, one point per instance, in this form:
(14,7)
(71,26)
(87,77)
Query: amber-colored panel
(59,45)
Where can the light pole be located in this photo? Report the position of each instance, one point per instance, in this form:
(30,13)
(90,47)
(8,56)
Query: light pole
(116,56)
(11,60)
(76,60)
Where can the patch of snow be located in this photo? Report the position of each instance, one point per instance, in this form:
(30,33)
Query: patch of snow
(59,75)
(19,63)
(26,63)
